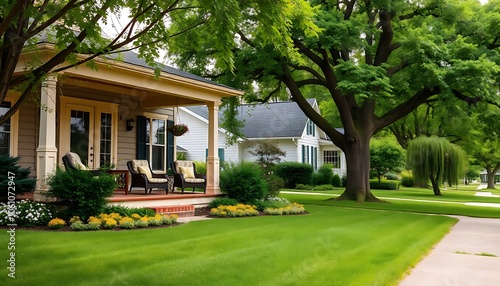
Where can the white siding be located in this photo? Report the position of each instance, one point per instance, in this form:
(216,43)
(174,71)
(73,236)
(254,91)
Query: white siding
(286,145)
(196,140)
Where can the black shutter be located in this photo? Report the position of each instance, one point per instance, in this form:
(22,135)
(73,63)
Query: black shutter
(170,146)
(141,138)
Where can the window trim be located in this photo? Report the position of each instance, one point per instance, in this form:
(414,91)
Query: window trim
(339,156)
(14,128)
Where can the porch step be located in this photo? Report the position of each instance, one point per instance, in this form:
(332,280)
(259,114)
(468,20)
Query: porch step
(180,210)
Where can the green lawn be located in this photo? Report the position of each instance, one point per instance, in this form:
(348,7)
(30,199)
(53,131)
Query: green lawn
(329,246)
(414,200)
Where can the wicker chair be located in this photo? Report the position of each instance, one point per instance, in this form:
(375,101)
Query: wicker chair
(143,176)
(72,161)
(185,176)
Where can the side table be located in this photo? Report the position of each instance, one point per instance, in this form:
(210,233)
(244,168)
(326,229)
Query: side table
(122,178)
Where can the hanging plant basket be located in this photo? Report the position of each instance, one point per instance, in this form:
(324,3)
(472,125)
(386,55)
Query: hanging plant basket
(178,129)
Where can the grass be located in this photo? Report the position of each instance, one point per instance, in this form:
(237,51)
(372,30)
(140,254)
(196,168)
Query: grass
(329,246)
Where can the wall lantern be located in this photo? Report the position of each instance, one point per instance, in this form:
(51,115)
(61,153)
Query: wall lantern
(130,124)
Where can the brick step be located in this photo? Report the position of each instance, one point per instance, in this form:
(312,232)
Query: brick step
(180,210)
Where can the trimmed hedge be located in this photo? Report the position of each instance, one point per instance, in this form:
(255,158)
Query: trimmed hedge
(244,182)
(384,185)
(294,173)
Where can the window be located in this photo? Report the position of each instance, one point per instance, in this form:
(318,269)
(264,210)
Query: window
(156,143)
(332,157)
(220,154)
(106,138)
(310,128)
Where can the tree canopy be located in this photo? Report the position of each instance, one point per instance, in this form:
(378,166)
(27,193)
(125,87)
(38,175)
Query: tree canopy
(436,159)
(376,61)
(385,156)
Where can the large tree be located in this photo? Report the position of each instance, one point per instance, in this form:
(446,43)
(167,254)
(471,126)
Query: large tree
(377,61)
(76,27)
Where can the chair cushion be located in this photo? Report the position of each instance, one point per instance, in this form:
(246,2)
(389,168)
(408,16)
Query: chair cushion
(76,161)
(137,163)
(145,171)
(188,172)
(194,180)
(157,180)
(181,163)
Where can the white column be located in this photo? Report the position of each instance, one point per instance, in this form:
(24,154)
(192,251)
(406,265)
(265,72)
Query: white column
(213,146)
(46,153)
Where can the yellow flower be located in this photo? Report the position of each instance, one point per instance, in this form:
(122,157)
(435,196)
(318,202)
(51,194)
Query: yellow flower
(56,223)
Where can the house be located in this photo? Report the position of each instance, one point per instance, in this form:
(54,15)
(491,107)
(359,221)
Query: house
(283,123)
(484,177)
(114,114)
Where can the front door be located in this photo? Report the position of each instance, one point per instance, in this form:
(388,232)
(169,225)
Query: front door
(82,134)
(88,128)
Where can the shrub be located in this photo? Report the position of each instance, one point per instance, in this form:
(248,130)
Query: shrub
(12,175)
(344,181)
(336,182)
(201,167)
(407,181)
(316,179)
(327,173)
(234,211)
(56,223)
(244,182)
(126,223)
(292,208)
(80,192)
(77,226)
(384,185)
(109,223)
(274,184)
(391,176)
(142,222)
(26,213)
(94,225)
(155,220)
(304,187)
(128,211)
(294,173)
(222,201)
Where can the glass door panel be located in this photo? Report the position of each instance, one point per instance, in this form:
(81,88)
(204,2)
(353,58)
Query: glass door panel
(81,135)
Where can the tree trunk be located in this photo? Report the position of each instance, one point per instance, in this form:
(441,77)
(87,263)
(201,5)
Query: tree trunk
(358,172)
(435,186)
(491,172)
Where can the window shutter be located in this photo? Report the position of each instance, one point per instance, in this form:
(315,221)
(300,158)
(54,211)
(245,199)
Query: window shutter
(221,155)
(141,138)
(170,146)
(303,154)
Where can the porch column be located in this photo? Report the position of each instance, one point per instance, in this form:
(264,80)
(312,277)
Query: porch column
(213,144)
(46,153)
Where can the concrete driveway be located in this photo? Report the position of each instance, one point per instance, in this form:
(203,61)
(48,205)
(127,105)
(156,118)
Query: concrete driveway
(467,256)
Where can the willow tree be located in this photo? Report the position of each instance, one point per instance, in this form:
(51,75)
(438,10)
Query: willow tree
(377,61)
(436,159)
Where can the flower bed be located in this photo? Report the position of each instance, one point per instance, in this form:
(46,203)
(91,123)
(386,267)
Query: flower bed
(116,221)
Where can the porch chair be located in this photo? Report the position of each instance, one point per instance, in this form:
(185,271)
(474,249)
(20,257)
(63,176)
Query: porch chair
(185,176)
(72,161)
(143,176)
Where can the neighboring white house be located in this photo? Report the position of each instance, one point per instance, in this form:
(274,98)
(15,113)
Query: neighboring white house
(283,123)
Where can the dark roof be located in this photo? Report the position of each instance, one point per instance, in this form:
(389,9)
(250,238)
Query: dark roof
(133,58)
(277,119)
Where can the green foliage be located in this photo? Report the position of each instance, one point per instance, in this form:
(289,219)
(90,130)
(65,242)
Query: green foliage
(384,185)
(244,182)
(391,176)
(436,158)
(326,173)
(268,155)
(80,192)
(316,179)
(13,178)
(127,211)
(314,188)
(222,201)
(201,167)
(336,181)
(274,184)
(294,173)
(407,181)
(385,155)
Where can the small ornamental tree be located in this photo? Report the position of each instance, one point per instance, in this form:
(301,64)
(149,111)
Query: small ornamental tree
(385,156)
(436,159)
(268,155)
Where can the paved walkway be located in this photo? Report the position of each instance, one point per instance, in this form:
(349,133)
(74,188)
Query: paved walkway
(469,255)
